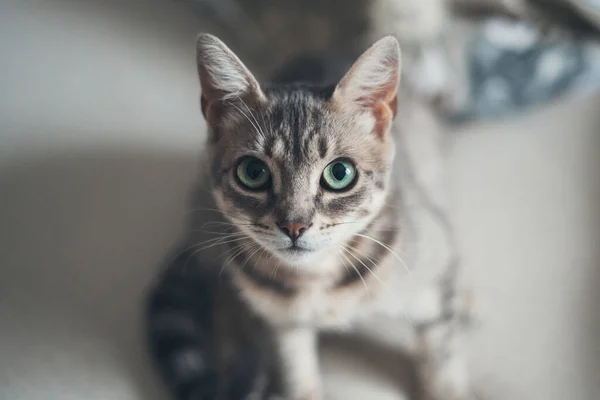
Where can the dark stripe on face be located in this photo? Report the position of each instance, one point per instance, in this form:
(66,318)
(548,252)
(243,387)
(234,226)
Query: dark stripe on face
(376,178)
(268,146)
(296,117)
(312,129)
(251,205)
(363,212)
(217,170)
(322,147)
(265,281)
(344,204)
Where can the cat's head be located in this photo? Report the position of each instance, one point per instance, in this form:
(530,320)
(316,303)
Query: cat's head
(299,169)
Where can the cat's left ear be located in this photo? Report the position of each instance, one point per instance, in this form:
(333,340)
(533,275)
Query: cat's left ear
(372,83)
(224,79)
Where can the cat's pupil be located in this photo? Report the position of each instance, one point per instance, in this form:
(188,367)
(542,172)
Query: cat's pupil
(339,171)
(254,170)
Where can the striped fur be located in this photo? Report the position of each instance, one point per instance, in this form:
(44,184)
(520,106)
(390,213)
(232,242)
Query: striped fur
(206,344)
(241,309)
(250,330)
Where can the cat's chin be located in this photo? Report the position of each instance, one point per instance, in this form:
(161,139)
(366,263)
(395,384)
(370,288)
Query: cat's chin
(300,256)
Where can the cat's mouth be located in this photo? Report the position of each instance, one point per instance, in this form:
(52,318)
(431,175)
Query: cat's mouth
(295,249)
(298,253)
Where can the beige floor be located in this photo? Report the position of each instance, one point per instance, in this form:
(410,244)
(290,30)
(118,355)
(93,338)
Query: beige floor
(99,137)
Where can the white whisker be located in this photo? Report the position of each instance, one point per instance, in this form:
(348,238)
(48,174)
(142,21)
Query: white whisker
(357,272)
(388,248)
(225,213)
(344,263)
(255,126)
(219,223)
(222,240)
(218,241)
(406,315)
(347,249)
(237,253)
(274,272)
(261,131)
(219,233)
(250,256)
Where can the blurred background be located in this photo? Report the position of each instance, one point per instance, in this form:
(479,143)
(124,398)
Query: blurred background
(100,136)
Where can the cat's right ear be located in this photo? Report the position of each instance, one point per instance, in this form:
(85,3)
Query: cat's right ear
(371,84)
(224,79)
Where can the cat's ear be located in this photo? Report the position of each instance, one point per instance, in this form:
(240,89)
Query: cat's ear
(224,79)
(372,83)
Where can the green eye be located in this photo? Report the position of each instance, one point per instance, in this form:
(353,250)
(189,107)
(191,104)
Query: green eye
(339,175)
(253,173)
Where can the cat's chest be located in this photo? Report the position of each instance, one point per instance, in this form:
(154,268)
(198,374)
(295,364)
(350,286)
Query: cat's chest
(322,304)
(404,281)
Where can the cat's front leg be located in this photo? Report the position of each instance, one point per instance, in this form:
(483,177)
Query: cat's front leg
(299,363)
(440,353)
(441,364)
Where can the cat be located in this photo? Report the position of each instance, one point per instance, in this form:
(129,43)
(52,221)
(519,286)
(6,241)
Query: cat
(318,221)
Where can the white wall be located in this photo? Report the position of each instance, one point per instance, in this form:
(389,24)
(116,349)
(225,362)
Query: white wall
(111,73)
(526,198)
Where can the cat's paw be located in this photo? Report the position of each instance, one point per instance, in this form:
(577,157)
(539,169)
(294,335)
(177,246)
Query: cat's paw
(448,380)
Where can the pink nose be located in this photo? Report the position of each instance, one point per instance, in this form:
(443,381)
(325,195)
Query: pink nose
(293,229)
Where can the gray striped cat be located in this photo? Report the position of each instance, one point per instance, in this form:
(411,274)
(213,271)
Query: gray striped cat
(313,218)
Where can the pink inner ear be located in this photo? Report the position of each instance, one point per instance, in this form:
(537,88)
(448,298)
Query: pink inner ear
(384,113)
(373,99)
(383,105)
(393,104)
(212,111)
(381,100)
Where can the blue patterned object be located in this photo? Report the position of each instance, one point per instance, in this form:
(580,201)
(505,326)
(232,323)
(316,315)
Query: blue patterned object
(512,67)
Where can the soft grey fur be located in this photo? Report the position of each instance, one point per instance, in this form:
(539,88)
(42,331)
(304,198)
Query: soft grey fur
(383,247)
(234,291)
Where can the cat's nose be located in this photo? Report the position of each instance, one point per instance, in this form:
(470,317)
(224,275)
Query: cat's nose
(293,229)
